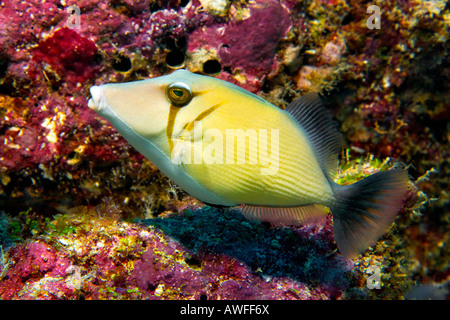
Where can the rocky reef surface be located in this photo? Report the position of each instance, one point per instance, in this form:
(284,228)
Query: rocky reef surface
(83,215)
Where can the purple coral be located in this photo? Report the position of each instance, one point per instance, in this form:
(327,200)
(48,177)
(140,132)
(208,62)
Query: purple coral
(257,59)
(231,42)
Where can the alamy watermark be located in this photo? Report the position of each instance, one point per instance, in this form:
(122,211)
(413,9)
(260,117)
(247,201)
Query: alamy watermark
(74,19)
(210,146)
(374,280)
(374,21)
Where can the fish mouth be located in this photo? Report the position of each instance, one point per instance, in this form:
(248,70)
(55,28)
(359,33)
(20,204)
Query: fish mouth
(96,97)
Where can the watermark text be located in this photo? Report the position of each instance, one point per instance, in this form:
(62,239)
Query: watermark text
(252,146)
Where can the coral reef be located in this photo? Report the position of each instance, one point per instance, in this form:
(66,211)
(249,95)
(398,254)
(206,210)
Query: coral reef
(92,253)
(388,89)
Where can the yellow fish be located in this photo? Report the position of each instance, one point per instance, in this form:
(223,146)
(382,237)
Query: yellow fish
(226,146)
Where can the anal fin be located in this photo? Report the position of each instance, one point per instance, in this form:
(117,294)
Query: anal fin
(285,215)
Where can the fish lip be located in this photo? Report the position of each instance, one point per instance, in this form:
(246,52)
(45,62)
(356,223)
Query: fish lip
(96,97)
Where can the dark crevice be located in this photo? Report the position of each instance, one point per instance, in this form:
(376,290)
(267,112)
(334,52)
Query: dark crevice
(175,58)
(212,67)
(122,63)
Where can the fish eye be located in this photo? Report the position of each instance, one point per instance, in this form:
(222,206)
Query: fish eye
(179,94)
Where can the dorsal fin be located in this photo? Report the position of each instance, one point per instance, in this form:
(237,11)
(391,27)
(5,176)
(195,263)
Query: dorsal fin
(317,122)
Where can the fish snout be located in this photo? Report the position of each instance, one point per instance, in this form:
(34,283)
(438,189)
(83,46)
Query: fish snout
(96,98)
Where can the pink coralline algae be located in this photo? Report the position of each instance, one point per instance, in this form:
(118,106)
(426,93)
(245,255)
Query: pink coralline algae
(70,55)
(34,264)
(231,43)
(228,43)
(332,52)
(89,253)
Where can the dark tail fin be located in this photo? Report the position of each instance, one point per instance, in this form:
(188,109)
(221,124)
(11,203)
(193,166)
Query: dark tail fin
(363,211)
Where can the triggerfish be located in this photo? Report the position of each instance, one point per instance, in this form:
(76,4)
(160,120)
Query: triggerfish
(228,147)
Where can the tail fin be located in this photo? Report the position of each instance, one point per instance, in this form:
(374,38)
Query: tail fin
(363,211)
